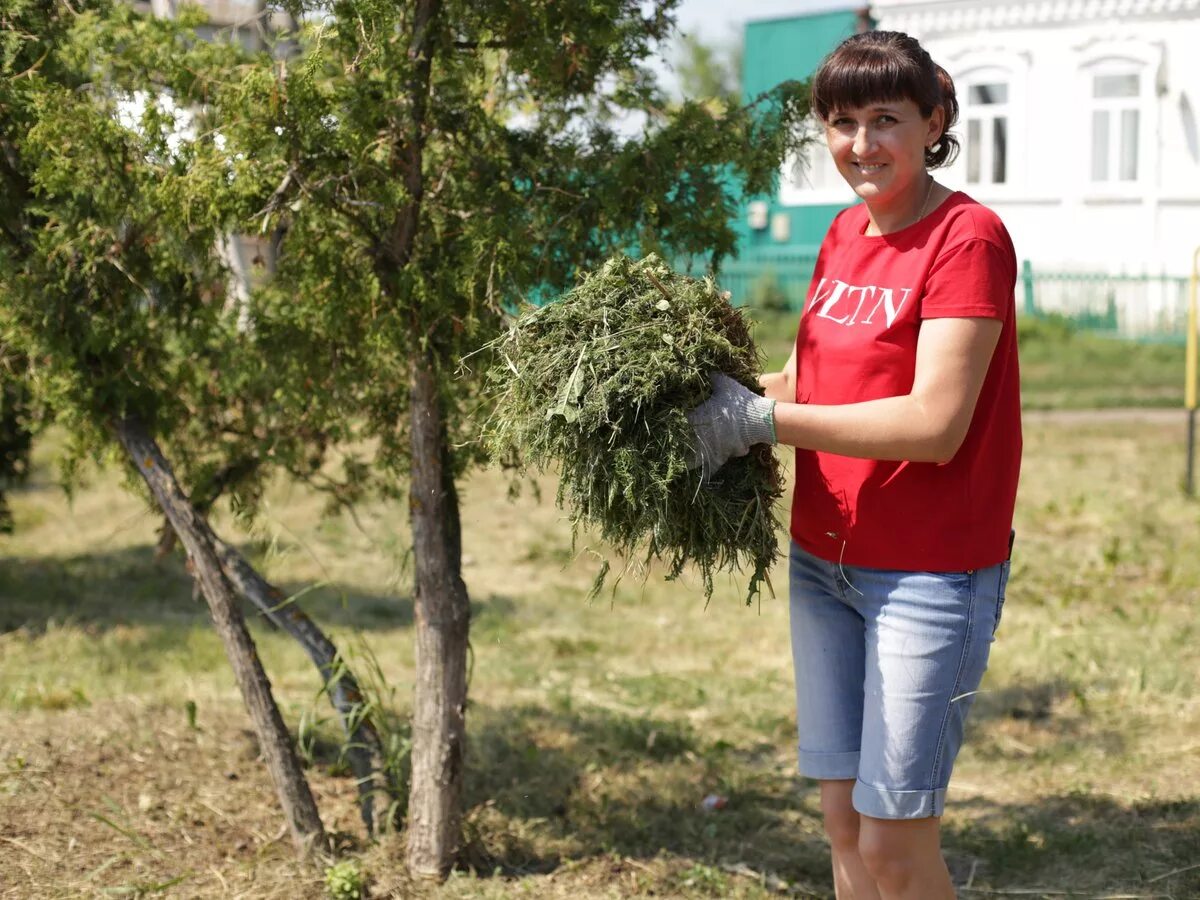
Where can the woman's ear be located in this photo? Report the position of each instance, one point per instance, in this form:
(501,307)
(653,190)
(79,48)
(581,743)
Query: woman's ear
(937,124)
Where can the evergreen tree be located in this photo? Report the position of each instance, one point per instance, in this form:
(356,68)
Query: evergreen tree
(427,165)
(418,169)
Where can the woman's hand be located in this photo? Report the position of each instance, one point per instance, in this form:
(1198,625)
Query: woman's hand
(781,386)
(728,424)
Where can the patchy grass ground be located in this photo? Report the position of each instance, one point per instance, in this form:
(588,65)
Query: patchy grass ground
(596,730)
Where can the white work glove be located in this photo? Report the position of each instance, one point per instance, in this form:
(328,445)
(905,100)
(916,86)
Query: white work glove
(728,424)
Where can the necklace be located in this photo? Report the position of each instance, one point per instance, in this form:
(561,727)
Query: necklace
(924,206)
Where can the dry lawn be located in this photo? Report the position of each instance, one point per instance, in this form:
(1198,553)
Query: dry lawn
(596,729)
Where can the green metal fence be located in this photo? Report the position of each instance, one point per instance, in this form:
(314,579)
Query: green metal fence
(1139,306)
(770,280)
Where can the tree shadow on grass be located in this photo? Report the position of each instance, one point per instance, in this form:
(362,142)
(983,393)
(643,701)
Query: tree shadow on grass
(130,586)
(1084,843)
(1024,701)
(1046,718)
(552,786)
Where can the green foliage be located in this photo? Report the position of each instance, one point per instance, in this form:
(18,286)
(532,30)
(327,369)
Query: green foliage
(599,384)
(404,198)
(345,881)
(709,72)
(16,433)
(404,228)
(1049,328)
(189,709)
(111,296)
(767,294)
(377,705)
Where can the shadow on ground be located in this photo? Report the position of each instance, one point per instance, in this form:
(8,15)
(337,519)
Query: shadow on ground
(550,787)
(1085,842)
(131,586)
(547,786)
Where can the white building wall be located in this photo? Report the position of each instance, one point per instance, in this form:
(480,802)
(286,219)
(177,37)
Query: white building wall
(1059,216)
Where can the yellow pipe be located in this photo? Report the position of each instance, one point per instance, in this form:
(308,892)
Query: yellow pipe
(1189,394)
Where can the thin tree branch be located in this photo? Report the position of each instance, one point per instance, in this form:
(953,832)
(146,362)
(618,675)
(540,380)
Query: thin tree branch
(483,45)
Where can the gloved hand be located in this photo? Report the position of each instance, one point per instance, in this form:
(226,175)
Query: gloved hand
(728,424)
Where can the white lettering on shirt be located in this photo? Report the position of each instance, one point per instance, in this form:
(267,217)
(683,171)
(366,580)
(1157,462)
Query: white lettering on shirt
(831,292)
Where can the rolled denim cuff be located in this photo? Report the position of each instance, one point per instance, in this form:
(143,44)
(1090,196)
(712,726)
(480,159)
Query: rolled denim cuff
(880,803)
(840,766)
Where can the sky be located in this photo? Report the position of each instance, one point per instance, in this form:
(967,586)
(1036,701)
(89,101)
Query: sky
(715,20)
(720,21)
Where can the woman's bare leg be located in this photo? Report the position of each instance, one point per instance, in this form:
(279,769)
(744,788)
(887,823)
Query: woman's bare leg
(904,858)
(851,879)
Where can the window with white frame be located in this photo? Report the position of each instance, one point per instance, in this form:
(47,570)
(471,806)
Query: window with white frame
(986,114)
(1116,114)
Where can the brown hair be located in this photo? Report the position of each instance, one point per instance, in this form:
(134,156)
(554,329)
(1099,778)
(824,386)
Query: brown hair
(878,66)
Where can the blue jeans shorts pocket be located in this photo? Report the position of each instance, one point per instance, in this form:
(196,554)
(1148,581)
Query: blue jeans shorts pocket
(1005,568)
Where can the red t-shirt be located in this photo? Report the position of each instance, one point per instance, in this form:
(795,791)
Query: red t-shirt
(857,341)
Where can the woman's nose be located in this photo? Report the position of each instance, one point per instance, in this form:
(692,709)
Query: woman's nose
(862,141)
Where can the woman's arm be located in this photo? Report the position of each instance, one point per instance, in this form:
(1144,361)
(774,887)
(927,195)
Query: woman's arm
(926,425)
(781,386)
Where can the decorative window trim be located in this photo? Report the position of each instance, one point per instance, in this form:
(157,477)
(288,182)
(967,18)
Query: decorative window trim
(970,64)
(942,17)
(1108,55)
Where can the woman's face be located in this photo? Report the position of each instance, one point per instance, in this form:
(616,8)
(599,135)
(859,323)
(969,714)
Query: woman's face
(880,149)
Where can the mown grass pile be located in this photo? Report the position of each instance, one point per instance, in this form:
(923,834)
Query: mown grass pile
(599,383)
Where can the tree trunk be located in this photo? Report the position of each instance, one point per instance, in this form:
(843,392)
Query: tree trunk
(363,743)
(363,746)
(299,808)
(442,620)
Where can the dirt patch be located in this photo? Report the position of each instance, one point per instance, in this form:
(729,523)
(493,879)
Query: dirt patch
(112,798)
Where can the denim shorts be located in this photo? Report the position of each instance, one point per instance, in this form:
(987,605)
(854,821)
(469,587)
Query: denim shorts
(887,664)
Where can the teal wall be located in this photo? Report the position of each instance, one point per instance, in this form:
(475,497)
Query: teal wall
(778,50)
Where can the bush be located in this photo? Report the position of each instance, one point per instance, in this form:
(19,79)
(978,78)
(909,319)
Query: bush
(768,295)
(16,436)
(1049,328)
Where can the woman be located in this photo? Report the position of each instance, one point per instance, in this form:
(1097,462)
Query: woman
(901,399)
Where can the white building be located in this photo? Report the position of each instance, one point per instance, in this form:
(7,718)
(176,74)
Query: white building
(1078,124)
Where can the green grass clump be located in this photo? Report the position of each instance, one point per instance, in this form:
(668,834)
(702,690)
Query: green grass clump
(599,384)
(344,881)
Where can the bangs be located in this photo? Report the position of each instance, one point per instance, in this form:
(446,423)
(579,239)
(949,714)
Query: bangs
(877,67)
(857,76)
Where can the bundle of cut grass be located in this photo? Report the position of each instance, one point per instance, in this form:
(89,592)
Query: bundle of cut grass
(599,384)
